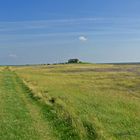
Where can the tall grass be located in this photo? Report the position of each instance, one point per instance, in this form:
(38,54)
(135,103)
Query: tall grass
(98,101)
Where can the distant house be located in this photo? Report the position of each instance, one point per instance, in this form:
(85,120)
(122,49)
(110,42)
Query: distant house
(73,61)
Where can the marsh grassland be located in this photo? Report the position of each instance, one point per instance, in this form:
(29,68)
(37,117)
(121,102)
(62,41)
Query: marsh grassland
(70,102)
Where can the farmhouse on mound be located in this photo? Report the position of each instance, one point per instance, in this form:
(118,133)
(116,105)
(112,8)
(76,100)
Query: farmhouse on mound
(73,60)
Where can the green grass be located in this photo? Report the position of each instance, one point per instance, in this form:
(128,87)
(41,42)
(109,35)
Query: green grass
(20,117)
(79,101)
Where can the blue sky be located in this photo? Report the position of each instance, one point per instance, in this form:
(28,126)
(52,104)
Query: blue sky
(49,31)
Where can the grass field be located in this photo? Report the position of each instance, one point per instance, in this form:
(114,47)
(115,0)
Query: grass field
(70,102)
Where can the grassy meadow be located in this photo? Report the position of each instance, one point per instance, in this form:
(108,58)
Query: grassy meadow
(70,102)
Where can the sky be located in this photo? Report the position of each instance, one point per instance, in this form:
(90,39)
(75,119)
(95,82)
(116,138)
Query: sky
(53,31)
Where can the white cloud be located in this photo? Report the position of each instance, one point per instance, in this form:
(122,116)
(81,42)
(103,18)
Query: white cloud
(82,38)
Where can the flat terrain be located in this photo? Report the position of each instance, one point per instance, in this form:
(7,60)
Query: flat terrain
(70,102)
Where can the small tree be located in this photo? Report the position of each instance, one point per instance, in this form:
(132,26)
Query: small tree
(73,60)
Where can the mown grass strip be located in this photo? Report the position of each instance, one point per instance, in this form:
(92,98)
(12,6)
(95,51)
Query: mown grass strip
(15,120)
